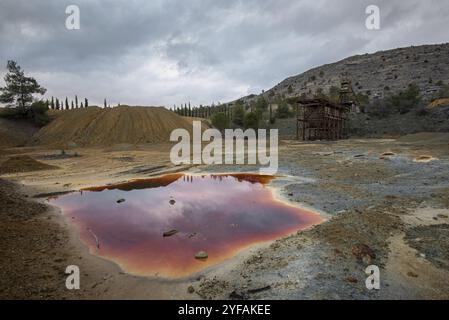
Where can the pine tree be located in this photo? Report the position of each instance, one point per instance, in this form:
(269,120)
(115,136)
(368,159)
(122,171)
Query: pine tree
(52,103)
(19,89)
(57,104)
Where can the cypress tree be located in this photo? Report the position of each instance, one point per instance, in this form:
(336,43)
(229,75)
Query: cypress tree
(66,103)
(76,102)
(86,103)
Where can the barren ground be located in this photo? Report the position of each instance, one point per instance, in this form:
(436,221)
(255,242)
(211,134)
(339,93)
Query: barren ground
(391,212)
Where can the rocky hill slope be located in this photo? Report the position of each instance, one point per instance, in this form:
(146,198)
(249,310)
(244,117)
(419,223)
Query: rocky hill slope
(375,75)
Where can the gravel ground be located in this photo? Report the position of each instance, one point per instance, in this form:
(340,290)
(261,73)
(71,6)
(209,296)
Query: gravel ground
(384,208)
(367,199)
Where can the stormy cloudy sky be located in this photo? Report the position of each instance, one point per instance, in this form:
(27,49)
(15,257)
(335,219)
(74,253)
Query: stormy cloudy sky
(165,52)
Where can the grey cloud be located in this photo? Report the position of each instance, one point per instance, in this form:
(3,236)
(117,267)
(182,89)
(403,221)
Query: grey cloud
(172,51)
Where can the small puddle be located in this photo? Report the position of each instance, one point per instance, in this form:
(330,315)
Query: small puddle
(218,214)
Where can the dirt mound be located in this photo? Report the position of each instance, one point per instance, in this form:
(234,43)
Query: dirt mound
(428,138)
(23,164)
(96,127)
(15,133)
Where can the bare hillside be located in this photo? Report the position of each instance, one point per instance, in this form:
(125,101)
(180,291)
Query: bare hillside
(94,126)
(375,75)
(15,133)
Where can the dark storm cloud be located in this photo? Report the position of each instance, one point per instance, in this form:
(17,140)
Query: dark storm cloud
(166,52)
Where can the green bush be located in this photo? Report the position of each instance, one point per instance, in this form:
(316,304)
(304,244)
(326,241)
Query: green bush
(11,113)
(402,102)
(261,104)
(238,114)
(406,100)
(36,113)
(380,108)
(283,111)
(363,101)
(220,121)
(251,121)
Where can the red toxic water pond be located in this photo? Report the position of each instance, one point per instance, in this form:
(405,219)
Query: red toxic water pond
(217,214)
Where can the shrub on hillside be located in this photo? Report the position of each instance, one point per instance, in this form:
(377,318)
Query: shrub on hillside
(283,111)
(402,102)
(405,101)
(220,121)
(251,121)
(238,114)
(36,113)
(363,101)
(261,104)
(380,108)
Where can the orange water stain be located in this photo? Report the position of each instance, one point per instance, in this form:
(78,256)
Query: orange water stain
(220,214)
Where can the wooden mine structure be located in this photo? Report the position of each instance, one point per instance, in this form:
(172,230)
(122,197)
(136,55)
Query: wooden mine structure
(321,119)
(347,96)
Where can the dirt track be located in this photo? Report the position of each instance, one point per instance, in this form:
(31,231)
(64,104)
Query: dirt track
(396,207)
